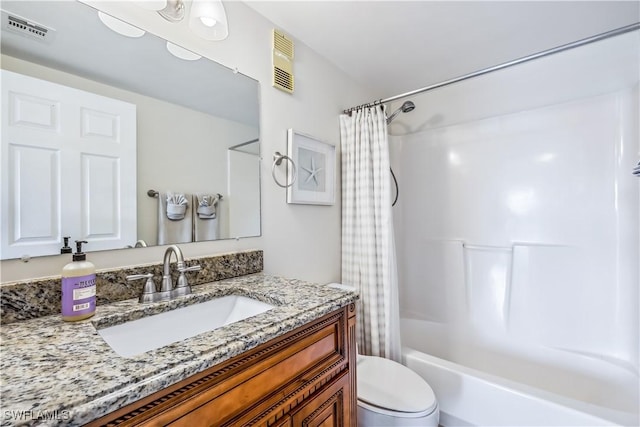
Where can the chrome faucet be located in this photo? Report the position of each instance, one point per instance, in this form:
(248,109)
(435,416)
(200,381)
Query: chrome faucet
(167,284)
(140,244)
(167,290)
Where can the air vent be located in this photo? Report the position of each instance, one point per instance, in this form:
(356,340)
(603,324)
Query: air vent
(25,27)
(282,79)
(283,44)
(282,62)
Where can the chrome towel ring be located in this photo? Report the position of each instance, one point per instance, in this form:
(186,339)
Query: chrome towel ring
(277,161)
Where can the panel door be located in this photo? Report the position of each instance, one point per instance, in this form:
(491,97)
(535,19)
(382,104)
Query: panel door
(68,168)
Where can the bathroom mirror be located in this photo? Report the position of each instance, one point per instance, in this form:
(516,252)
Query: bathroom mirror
(195,131)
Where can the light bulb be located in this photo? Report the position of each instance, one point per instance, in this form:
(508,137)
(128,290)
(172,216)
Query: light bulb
(209,22)
(208,19)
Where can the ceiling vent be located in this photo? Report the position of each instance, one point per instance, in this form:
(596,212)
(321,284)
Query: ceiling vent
(17,24)
(282,62)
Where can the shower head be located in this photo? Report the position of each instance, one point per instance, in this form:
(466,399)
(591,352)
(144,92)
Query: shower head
(408,106)
(405,108)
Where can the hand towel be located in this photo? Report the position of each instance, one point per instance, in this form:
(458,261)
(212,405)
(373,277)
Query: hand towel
(176,206)
(175,224)
(206,222)
(206,205)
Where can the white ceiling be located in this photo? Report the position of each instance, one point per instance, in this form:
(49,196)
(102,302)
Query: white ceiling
(393,47)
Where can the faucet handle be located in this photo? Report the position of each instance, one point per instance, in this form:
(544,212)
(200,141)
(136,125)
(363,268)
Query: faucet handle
(149,291)
(139,276)
(182,279)
(182,285)
(183,270)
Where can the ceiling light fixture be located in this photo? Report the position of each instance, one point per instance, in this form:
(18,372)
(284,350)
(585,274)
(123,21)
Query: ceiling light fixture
(173,11)
(208,19)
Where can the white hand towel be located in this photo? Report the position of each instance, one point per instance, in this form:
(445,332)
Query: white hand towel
(206,221)
(207,205)
(175,224)
(176,206)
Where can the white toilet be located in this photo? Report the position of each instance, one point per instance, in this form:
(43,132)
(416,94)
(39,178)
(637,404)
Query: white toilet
(390,394)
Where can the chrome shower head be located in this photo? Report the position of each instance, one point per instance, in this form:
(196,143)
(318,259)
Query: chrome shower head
(408,106)
(405,108)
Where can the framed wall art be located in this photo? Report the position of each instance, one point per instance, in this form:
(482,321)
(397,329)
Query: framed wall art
(315,162)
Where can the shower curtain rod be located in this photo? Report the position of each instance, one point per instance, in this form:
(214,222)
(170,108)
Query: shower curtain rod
(578,43)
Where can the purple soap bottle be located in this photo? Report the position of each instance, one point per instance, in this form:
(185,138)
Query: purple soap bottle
(78,287)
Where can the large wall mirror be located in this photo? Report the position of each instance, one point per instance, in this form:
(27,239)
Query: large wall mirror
(116,140)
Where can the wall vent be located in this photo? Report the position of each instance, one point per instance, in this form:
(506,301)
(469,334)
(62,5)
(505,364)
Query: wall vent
(25,27)
(283,62)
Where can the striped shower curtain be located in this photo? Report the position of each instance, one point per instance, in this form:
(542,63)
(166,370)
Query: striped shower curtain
(368,251)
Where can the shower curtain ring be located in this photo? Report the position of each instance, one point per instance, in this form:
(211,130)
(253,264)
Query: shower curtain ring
(277,161)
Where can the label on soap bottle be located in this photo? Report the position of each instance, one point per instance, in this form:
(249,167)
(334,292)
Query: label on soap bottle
(78,295)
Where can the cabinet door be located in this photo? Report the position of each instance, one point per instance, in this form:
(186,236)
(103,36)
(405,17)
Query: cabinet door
(68,168)
(302,378)
(329,408)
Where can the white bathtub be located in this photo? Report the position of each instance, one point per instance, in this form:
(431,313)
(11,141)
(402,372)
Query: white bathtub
(485,382)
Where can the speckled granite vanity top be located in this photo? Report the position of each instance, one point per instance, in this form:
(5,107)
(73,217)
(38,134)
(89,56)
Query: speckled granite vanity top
(66,371)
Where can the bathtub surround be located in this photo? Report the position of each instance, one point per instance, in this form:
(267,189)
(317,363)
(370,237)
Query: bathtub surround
(32,299)
(368,249)
(518,239)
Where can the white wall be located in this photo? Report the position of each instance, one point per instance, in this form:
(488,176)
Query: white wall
(298,241)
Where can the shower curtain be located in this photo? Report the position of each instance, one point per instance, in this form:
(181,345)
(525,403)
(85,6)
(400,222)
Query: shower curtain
(368,250)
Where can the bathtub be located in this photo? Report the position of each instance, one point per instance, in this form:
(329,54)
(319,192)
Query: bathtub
(485,381)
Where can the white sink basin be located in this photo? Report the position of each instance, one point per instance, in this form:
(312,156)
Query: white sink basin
(149,333)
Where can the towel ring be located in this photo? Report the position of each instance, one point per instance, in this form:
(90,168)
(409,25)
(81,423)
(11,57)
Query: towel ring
(277,161)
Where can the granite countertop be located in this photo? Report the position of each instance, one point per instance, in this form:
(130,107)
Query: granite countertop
(58,373)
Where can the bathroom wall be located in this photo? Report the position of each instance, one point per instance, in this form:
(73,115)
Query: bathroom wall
(298,240)
(519,218)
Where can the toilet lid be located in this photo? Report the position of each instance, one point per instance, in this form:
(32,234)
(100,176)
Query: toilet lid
(390,385)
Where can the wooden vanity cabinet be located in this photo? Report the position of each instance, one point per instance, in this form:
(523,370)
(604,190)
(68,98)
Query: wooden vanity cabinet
(303,378)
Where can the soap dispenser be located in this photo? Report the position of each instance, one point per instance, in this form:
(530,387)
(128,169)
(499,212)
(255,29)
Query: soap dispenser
(78,287)
(66,249)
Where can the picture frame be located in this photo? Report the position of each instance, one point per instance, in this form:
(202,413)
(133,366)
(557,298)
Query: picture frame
(315,164)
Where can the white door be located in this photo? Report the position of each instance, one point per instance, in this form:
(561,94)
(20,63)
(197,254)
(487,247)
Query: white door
(68,168)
